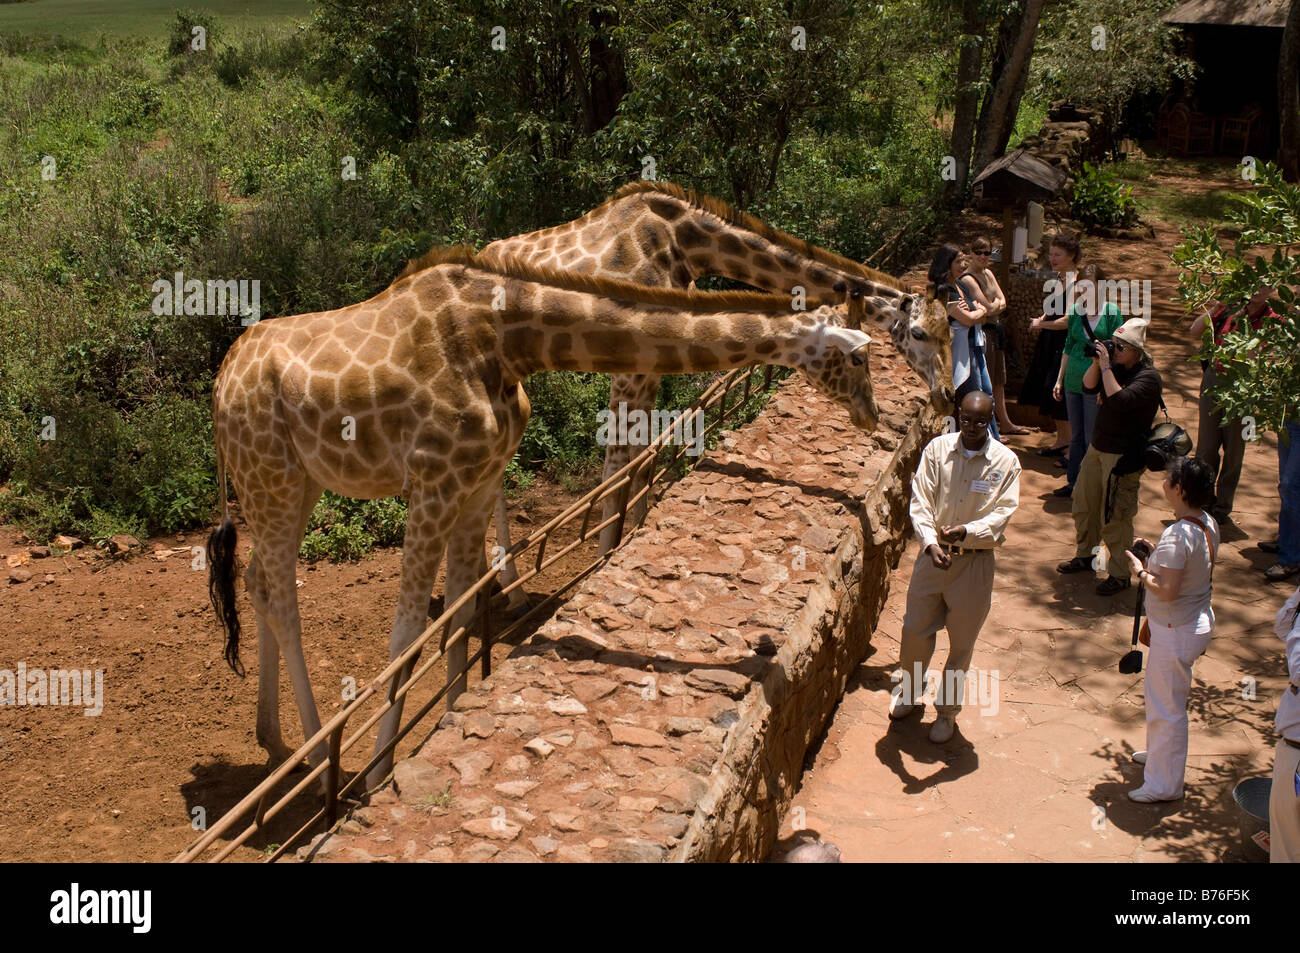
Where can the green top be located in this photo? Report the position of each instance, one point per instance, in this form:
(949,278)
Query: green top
(1076,339)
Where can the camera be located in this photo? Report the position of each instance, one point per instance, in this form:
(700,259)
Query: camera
(1092,346)
(1141,549)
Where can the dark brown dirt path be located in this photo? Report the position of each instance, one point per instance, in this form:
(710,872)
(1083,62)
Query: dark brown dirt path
(1043,776)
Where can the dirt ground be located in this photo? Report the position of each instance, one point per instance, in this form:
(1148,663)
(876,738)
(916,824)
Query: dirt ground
(177,727)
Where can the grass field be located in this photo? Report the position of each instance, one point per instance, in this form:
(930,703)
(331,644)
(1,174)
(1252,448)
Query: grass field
(86,21)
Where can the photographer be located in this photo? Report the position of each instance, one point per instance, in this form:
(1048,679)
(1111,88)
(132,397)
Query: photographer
(1178,577)
(1104,505)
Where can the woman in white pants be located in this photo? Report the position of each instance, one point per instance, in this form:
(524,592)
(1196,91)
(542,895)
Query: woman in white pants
(1178,582)
(1284,797)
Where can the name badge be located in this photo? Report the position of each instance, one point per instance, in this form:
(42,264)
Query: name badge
(981,486)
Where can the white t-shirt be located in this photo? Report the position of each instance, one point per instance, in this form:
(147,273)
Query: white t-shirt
(1182,546)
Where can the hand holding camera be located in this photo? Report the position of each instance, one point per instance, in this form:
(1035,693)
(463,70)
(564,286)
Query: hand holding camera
(1094,349)
(1139,554)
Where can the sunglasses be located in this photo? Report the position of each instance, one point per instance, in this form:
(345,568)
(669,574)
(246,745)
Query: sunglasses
(1121,346)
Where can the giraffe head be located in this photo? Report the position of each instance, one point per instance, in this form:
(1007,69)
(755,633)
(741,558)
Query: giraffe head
(917,325)
(924,337)
(839,367)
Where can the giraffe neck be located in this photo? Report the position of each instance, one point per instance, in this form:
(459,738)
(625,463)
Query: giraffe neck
(662,240)
(544,328)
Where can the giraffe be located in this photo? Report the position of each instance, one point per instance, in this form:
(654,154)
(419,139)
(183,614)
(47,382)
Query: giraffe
(426,378)
(661,235)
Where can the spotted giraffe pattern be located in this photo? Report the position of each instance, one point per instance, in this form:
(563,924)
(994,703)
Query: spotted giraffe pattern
(426,379)
(661,235)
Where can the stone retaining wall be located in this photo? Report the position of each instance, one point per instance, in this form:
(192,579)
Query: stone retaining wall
(665,711)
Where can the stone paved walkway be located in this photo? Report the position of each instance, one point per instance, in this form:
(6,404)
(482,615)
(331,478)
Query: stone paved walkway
(1043,777)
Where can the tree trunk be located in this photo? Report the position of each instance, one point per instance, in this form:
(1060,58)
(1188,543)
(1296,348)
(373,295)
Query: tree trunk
(997,119)
(1288,97)
(969,63)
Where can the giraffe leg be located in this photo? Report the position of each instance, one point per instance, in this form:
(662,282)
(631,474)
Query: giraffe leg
(464,556)
(268,649)
(635,393)
(516,599)
(422,550)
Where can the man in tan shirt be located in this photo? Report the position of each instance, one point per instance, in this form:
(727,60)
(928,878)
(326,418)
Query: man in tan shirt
(963,495)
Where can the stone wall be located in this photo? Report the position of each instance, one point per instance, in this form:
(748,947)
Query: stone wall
(664,712)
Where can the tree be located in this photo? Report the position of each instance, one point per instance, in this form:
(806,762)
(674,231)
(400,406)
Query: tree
(1288,96)
(1261,377)
(1007,77)
(1103,53)
(719,87)
(969,62)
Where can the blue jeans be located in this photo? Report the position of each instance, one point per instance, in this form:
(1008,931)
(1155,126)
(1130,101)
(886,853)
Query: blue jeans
(1288,517)
(1082,411)
(979,368)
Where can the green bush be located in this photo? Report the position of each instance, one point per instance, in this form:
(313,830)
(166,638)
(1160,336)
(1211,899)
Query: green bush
(1100,201)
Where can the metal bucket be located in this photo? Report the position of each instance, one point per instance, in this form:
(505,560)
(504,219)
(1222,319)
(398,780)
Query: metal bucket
(1251,795)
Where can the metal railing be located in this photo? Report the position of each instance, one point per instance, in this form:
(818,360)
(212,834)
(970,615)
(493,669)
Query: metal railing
(658,460)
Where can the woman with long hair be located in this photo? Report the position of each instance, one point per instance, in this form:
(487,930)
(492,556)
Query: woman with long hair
(989,293)
(965,317)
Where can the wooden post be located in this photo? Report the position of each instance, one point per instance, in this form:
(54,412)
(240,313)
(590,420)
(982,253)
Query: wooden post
(1008,240)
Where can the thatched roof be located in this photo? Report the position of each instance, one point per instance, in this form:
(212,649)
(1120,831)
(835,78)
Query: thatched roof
(1265,13)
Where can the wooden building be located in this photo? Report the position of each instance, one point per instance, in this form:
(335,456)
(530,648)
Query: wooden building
(1231,106)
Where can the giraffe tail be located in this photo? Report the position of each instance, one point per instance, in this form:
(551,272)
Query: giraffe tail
(221,575)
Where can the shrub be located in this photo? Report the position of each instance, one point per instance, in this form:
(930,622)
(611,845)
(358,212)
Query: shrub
(1101,202)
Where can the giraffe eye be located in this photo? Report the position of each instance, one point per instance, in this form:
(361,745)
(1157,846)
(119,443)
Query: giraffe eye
(919,334)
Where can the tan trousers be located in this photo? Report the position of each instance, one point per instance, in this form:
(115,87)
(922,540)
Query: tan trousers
(1089,511)
(1284,808)
(956,598)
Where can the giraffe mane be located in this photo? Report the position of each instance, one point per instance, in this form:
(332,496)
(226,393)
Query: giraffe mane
(509,266)
(733,216)
(686,299)
(437,255)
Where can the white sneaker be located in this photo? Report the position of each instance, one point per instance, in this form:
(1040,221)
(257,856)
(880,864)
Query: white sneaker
(901,709)
(1143,796)
(941,730)
(1140,757)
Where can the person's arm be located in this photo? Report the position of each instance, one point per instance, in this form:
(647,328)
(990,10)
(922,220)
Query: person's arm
(958,311)
(1058,392)
(1165,584)
(1092,377)
(1163,578)
(999,299)
(991,527)
(1044,323)
(925,485)
(1142,390)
